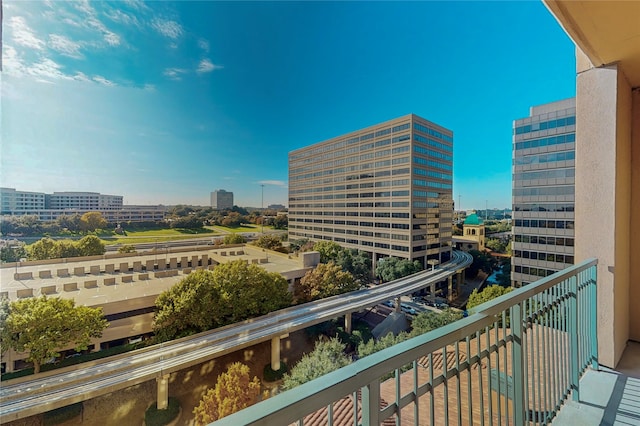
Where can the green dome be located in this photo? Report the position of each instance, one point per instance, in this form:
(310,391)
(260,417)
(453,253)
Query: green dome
(473,219)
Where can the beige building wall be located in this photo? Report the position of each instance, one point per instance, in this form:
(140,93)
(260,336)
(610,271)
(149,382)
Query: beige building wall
(634,231)
(603,197)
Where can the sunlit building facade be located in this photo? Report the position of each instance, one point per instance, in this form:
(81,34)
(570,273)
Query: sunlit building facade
(543,191)
(385,190)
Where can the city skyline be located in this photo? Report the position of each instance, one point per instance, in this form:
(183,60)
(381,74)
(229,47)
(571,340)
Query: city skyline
(178,99)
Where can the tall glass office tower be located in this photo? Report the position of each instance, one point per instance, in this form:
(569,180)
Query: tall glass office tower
(543,191)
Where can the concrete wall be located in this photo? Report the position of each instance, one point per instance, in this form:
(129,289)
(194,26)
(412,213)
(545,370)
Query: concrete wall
(634,234)
(603,196)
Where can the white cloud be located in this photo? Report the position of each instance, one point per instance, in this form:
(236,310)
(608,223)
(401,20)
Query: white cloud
(119,16)
(65,46)
(11,63)
(174,73)
(100,79)
(169,29)
(206,66)
(23,35)
(203,44)
(137,4)
(273,182)
(48,69)
(149,87)
(110,37)
(80,76)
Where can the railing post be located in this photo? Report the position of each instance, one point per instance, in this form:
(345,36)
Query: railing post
(574,369)
(593,318)
(371,403)
(517,357)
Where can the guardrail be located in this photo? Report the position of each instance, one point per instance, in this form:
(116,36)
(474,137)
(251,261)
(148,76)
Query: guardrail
(514,361)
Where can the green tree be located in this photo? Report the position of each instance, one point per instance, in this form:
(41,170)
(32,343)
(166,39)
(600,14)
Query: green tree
(90,245)
(429,320)
(328,250)
(269,242)
(503,277)
(90,221)
(357,263)
(42,326)
(233,239)
(323,281)
(186,222)
(234,390)
(66,248)
(392,268)
(326,357)
(13,252)
(280,221)
(232,292)
(69,222)
(127,248)
(191,306)
(233,220)
(372,346)
(495,244)
(490,292)
(45,248)
(481,261)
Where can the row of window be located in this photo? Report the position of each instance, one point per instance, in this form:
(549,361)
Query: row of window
(544,191)
(439,185)
(545,240)
(431,173)
(552,140)
(432,143)
(546,174)
(545,158)
(395,215)
(379,173)
(432,132)
(538,272)
(544,207)
(547,257)
(551,124)
(424,161)
(543,223)
(431,153)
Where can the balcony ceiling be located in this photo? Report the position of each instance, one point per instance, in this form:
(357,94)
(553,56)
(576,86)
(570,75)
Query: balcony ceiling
(606,31)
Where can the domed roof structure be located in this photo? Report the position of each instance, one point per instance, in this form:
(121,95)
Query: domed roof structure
(473,219)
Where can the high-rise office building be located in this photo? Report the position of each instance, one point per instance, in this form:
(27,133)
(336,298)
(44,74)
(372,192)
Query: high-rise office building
(221,199)
(386,190)
(543,191)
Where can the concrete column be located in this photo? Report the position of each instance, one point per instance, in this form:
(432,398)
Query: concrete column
(347,322)
(603,196)
(275,353)
(432,290)
(397,304)
(450,292)
(163,391)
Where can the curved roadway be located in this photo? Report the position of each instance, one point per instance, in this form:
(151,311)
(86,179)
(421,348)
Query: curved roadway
(59,388)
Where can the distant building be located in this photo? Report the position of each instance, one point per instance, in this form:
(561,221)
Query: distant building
(19,201)
(221,199)
(385,190)
(276,207)
(544,146)
(49,207)
(473,234)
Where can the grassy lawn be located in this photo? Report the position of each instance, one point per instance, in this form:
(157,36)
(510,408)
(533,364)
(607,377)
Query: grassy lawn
(153,235)
(243,228)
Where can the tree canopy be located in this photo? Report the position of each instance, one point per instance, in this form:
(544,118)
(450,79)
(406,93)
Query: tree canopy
(323,281)
(429,320)
(203,300)
(233,238)
(269,242)
(482,261)
(234,390)
(90,221)
(490,292)
(42,326)
(392,268)
(327,356)
(13,252)
(355,262)
(90,246)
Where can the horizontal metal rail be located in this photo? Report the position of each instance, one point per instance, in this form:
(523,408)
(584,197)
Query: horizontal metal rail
(25,397)
(514,361)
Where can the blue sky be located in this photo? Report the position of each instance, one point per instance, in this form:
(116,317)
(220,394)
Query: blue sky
(164,102)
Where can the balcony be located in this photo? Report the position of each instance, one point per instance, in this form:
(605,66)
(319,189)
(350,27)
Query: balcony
(528,357)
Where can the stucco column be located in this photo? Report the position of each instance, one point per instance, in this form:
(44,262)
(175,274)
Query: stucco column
(347,322)
(275,353)
(163,391)
(603,196)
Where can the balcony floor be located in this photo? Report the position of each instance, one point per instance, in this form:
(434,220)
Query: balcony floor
(607,397)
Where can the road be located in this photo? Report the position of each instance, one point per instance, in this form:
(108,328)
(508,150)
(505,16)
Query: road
(22,398)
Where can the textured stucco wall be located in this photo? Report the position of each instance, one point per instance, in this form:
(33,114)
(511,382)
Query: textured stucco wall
(634,234)
(603,193)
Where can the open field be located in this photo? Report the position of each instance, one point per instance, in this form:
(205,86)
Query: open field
(153,235)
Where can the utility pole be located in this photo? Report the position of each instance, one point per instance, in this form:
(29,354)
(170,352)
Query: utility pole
(486,210)
(262,206)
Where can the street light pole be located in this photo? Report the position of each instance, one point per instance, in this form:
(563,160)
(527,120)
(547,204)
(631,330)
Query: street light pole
(262,206)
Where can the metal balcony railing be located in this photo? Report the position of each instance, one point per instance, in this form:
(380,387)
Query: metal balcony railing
(515,360)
